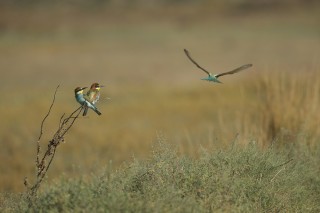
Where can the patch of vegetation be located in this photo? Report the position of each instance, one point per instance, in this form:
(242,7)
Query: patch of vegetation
(240,179)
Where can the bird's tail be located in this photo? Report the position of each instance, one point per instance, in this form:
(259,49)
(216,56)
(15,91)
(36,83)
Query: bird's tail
(93,107)
(97,111)
(85,111)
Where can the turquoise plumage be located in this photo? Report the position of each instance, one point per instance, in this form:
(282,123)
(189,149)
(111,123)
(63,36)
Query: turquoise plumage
(81,100)
(214,78)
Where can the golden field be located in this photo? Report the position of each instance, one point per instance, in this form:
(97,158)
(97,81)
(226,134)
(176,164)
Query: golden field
(154,89)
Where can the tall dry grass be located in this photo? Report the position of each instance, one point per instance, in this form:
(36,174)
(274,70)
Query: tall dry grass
(290,103)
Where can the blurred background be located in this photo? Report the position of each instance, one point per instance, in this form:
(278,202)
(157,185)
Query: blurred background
(135,48)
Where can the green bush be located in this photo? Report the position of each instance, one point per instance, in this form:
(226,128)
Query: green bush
(245,179)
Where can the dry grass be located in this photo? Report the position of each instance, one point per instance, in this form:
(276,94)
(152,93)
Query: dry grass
(290,104)
(154,89)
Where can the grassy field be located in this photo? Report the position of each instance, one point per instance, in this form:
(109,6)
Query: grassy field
(155,90)
(239,179)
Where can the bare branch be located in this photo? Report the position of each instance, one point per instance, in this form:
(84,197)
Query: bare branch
(64,126)
(284,163)
(42,123)
(277,174)
(280,169)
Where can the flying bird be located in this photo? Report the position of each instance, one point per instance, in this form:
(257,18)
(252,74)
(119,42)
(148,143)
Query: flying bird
(214,77)
(83,101)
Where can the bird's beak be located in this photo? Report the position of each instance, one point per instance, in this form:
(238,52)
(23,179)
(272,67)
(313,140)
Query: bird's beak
(84,88)
(101,85)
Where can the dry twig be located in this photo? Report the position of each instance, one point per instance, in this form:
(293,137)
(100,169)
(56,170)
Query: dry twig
(283,168)
(43,165)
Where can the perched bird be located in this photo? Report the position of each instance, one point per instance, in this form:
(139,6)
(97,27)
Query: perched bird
(94,93)
(83,101)
(92,96)
(212,77)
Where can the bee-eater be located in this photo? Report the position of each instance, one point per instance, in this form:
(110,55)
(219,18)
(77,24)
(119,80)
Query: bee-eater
(215,77)
(92,96)
(83,101)
(94,93)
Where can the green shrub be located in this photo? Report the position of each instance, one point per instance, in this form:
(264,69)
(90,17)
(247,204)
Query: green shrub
(241,179)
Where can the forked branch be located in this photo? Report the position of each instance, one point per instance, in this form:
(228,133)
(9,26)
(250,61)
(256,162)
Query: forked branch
(43,163)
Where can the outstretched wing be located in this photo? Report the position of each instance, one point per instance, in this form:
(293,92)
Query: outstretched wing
(234,71)
(193,61)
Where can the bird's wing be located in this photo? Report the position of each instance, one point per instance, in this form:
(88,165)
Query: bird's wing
(96,98)
(90,95)
(86,97)
(234,71)
(193,61)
